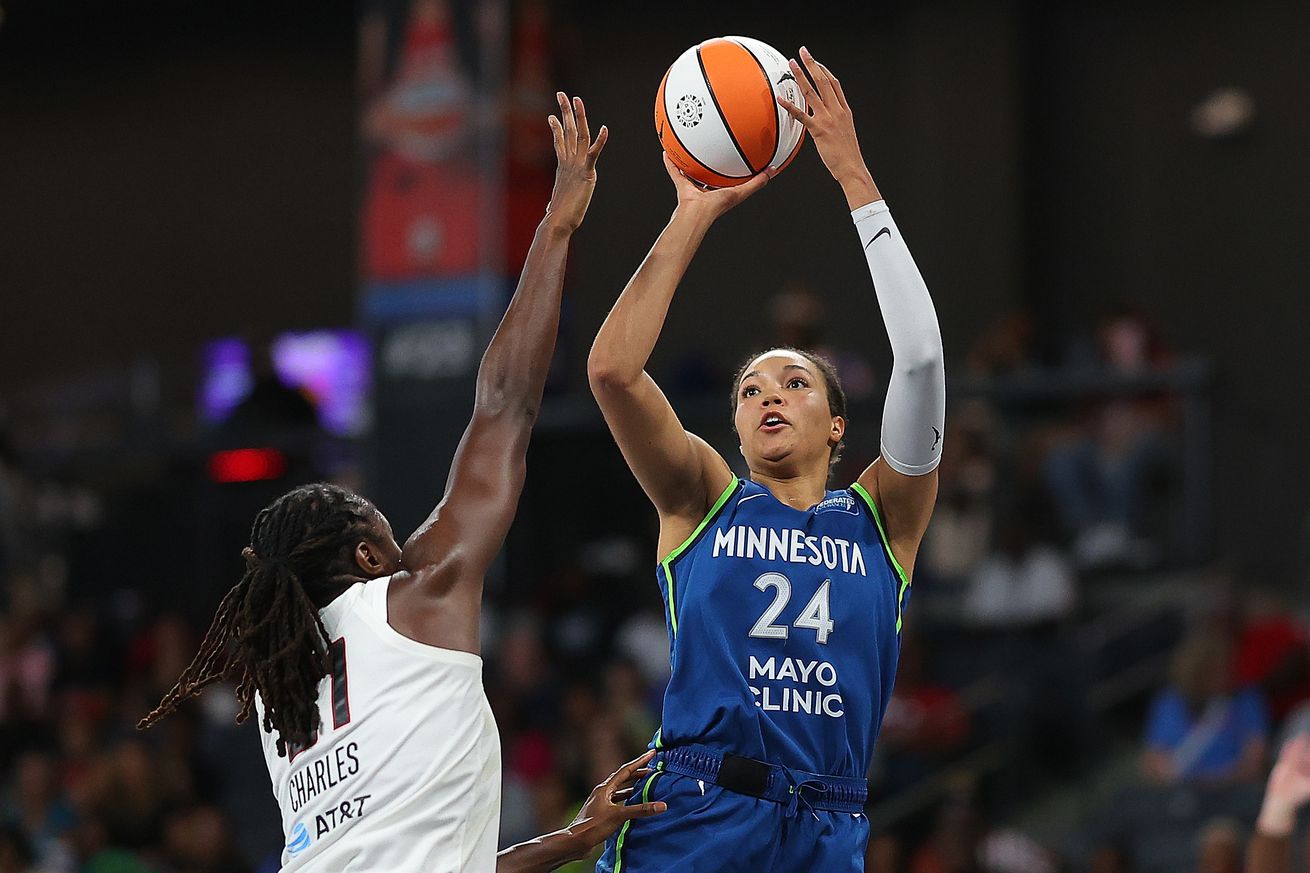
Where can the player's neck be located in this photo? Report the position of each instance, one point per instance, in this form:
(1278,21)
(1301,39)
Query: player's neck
(799,491)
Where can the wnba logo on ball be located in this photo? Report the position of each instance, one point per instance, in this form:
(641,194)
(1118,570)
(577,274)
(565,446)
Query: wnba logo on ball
(690,110)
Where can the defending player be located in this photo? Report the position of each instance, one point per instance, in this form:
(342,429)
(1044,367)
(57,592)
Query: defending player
(783,599)
(361,658)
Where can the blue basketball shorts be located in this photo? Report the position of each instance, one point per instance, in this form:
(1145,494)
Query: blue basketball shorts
(709,829)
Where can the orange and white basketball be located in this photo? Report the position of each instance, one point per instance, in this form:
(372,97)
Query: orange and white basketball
(716,115)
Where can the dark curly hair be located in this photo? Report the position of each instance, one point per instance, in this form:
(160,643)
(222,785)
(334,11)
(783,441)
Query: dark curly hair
(831,382)
(266,634)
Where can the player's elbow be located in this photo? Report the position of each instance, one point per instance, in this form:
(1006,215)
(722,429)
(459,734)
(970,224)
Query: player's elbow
(499,398)
(606,375)
(922,360)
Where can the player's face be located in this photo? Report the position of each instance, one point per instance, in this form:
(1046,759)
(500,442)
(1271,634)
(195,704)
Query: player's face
(782,413)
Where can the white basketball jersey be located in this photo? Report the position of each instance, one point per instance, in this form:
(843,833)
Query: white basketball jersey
(404,775)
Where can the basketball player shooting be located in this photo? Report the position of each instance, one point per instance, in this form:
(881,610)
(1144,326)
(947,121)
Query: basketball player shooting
(783,599)
(361,659)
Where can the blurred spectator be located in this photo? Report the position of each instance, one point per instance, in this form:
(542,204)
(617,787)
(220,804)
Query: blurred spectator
(626,702)
(1112,857)
(1200,728)
(643,639)
(925,723)
(27,667)
(85,661)
(1006,347)
(1220,847)
(953,846)
(1023,582)
(885,854)
(1099,471)
(798,316)
(197,840)
(1011,851)
(960,536)
(10,537)
(40,809)
(1272,653)
(15,852)
(131,792)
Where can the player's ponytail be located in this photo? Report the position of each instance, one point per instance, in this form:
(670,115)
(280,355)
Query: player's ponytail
(267,635)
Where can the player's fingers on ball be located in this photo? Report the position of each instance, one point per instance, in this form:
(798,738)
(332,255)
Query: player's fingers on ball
(803,81)
(602,137)
(584,132)
(755,183)
(674,173)
(794,111)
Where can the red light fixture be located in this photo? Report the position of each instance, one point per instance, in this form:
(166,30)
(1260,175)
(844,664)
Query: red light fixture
(247,465)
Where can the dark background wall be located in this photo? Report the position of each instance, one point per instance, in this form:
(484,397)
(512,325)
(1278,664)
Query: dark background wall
(170,170)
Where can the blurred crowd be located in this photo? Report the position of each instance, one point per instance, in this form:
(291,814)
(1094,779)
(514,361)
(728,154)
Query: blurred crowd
(1016,682)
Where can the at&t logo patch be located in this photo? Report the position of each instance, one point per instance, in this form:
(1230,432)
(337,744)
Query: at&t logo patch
(300,839)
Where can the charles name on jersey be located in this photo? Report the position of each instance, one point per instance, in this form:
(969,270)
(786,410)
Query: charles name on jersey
(790,545)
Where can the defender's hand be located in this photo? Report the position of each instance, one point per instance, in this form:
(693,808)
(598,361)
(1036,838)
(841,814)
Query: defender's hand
(575,175)
(604,812)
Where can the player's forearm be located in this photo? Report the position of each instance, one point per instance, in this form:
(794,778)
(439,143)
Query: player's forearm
(542,853)
(626,339)
(512,375)
(915,410)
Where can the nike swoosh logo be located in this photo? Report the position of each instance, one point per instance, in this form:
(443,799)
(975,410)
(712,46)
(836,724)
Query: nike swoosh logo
(886,230)
(936,437)
(785,77)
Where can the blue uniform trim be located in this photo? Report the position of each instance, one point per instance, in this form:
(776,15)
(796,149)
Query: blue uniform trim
(887,547)
(690,541)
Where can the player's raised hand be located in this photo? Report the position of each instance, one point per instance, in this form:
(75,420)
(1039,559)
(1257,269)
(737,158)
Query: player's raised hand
(831,125)
(712,201)
(576,155)
(1288,788)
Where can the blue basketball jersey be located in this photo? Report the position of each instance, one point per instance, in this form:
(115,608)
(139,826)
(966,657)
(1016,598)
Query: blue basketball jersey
(784,630)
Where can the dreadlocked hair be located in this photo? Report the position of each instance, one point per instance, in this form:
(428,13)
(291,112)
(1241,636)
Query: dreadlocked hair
(831,382)
(266,634)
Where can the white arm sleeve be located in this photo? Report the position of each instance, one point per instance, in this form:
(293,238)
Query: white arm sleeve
(914,414)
